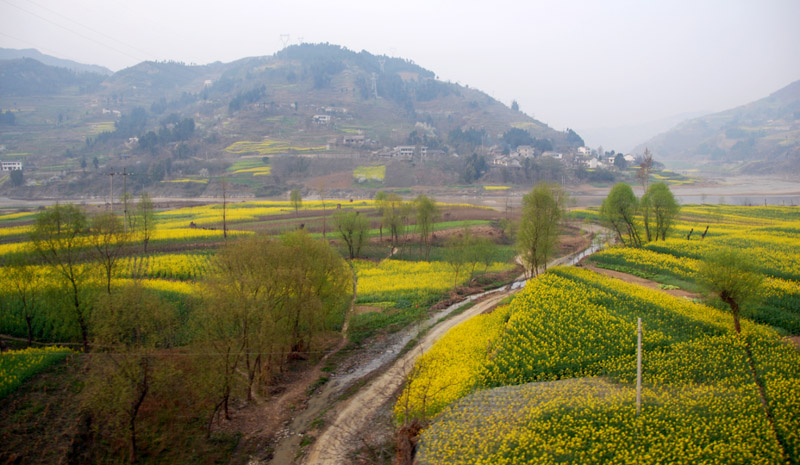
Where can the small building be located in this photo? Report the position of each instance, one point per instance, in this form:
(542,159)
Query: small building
(353,139)
(11,165)
(407,151)
(556,155)
(322,119)
(585,151)
(525,151)
(508,162)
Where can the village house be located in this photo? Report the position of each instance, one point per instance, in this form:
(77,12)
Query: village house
(525,151)
(11,165)
(508,162)
(407,151)
(353,139)
(322,119)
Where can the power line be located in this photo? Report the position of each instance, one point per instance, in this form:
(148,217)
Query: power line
(143,52)
(32,44)
(75,32)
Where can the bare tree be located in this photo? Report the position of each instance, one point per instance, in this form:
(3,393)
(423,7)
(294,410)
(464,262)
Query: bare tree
(645,168)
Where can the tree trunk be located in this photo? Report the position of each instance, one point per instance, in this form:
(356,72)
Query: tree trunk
(734,310)
(143,389)
(108,280)
(29,323)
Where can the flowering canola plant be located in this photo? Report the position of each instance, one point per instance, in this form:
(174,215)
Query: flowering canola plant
(16,366)
(700,401)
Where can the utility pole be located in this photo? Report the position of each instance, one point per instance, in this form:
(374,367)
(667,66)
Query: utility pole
(638,366)
(125,175)
(110,175)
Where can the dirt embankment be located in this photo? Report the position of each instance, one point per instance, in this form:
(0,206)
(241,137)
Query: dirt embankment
(629,278)
(338,439)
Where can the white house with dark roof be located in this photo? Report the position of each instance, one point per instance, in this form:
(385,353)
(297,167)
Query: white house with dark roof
(10,166)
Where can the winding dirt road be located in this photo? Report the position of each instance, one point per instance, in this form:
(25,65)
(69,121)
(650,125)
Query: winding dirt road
(332,446)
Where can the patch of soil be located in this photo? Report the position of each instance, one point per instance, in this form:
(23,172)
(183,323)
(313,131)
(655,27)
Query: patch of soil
(572,240)
(360,309)
(263,422)
(629,278)
(39,422)
(794,340)
(340,180)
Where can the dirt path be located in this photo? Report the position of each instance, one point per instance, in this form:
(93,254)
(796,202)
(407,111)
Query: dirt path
(629,278)
(333,445)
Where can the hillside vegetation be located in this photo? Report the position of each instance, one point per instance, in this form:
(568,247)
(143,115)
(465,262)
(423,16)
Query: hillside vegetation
(760,137)
(308,111)
(550,377)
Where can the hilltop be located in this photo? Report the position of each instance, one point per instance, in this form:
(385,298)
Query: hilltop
(305,116)
(760,137)
(14,54)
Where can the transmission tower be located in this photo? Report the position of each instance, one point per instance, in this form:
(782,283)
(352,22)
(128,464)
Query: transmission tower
(375,85)
(285,39)
(381,61)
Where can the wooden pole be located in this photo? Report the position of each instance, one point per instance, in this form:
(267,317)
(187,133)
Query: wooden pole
(638,366)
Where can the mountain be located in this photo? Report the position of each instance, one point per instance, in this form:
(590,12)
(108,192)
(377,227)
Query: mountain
(14,54)
(310,112)
(760,137)
(27,77)
(625,138)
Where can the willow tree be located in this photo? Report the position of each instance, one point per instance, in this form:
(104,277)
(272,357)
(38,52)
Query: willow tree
(266,298)
(736,280)
(59,237)
(143,223)
(543,208)
(107,236)
(659,203)
(619,209)
(129,330)
(427,212)
(733,277)
(296,199)
(394,210)
(22,278)
(353,228)
(380,200)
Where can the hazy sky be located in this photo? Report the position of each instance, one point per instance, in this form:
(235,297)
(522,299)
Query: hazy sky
(578,64)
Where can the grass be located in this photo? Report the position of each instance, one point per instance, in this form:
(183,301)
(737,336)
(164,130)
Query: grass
(370,173)
(186,180)
(268,147)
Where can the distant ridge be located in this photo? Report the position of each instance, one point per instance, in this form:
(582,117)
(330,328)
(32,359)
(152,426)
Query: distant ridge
(759,137)
(14,54)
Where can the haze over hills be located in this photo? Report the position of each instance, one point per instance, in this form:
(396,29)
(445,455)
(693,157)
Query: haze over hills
(13,54)
(626,138)
(759,137)
(307,111)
